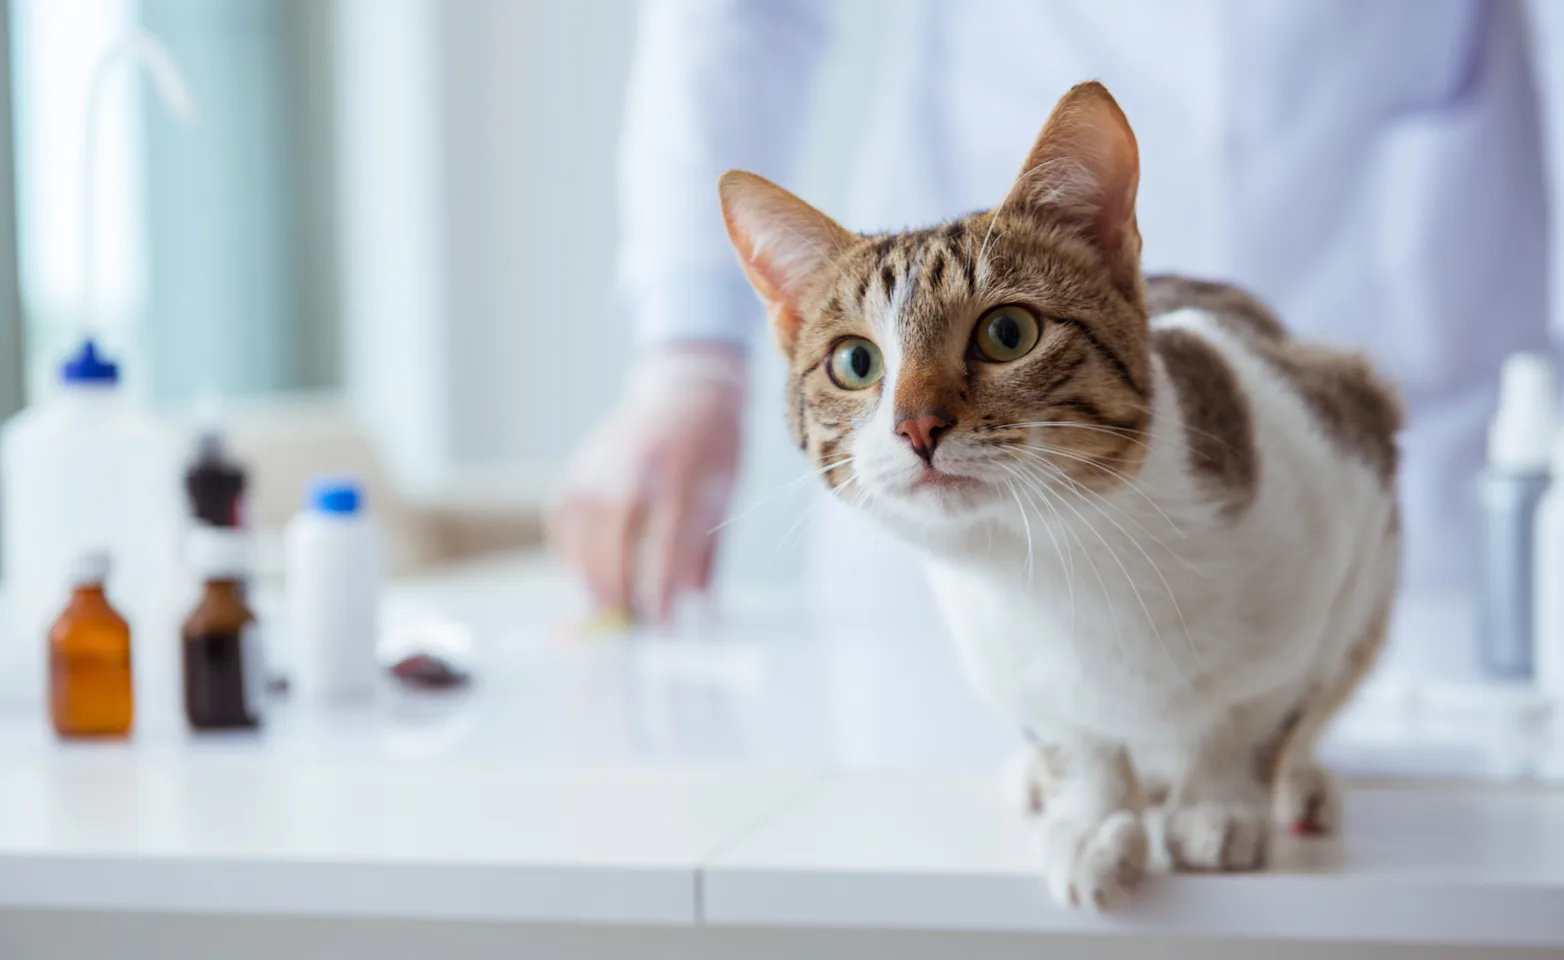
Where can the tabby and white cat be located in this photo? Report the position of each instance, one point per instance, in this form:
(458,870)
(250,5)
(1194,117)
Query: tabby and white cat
(1163,533)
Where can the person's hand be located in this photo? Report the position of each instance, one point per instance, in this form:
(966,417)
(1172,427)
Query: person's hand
(643,493)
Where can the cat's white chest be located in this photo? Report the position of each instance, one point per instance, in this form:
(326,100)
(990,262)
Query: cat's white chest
(1047,659)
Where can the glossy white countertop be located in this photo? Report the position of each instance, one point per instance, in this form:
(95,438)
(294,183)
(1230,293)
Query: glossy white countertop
(298,837)
(771,771)
(939,851)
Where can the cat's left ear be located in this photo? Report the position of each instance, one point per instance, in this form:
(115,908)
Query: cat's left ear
(1083,171)
(788,248)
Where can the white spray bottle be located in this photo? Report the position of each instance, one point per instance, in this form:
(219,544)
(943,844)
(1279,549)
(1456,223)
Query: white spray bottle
(88,470)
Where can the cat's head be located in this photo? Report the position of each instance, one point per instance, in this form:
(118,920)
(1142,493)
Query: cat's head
(943,373)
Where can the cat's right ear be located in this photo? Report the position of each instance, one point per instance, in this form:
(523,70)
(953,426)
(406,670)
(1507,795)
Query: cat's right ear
(787,247)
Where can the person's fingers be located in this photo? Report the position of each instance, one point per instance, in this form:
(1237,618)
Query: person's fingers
(701,546)
(577,527)
(594,567)
(608,550)
(580,530)
(637,512)
(687,538)
(675,513)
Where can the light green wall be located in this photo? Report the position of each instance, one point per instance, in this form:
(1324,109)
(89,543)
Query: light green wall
(239,210)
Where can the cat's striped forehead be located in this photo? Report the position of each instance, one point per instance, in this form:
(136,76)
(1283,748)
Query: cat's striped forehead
(925,288)
(896,279)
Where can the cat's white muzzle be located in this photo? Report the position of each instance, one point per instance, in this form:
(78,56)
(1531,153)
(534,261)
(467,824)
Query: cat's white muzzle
(955,486)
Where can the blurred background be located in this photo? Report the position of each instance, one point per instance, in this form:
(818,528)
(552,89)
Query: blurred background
(393,224)
(388,239)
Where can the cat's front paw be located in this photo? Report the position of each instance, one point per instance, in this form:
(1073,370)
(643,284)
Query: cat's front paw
(1095,867)
(1211,835)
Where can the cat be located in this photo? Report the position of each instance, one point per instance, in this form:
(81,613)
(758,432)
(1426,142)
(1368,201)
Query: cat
(1162,532)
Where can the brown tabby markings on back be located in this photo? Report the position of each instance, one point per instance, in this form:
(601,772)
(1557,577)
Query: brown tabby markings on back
(1218,426)
(1357,410)
(1241,312)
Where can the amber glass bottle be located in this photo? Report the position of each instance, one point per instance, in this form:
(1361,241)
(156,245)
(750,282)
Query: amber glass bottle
(222,660)
(90,689)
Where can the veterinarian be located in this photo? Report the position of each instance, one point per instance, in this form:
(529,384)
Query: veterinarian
(1373,170)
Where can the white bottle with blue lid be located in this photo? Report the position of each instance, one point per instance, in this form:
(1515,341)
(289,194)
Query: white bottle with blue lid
(87,469)
(334,563)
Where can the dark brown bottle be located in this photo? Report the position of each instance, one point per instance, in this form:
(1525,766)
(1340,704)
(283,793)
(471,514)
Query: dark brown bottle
(215,484)
(220,641)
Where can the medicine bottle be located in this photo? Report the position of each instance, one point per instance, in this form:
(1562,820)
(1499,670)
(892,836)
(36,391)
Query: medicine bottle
(90,688)
(223,663)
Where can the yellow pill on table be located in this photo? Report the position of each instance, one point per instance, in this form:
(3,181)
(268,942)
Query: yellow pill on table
(612,620)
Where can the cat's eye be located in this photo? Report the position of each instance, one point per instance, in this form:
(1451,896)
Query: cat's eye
(855,364)
(1005,333)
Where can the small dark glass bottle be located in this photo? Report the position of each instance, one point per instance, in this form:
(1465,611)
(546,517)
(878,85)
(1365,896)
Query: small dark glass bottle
(223,666)
(215,485)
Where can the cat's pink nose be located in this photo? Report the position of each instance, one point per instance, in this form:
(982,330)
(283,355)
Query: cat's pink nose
(923,429)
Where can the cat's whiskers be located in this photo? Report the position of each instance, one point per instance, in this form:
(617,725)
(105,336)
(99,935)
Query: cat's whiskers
(1191,428)
(794,535)
(1123,433)
(860,498)
(1128,433)
(765,500)
(1103,504)
(1069,572)
(1069,534)
(1167,588)
(1093,462)
(1014,492)
(1129,579)
(1068,565)
(1113,614)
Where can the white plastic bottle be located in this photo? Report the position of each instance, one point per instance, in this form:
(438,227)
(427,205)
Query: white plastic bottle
(333,569)
(1520,442)
(87,470)
(1548,591)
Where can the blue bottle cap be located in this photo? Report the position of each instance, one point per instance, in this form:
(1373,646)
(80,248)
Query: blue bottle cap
(336,495)
(86,366)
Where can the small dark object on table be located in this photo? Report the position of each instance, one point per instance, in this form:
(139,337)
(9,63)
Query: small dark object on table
(429,672)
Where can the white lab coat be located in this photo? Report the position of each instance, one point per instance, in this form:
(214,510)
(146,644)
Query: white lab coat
(1373,169)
